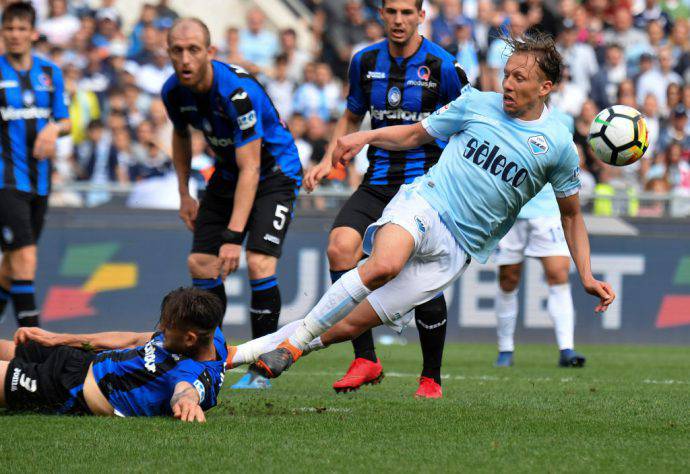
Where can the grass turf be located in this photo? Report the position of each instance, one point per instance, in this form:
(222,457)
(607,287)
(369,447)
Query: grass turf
(628,410)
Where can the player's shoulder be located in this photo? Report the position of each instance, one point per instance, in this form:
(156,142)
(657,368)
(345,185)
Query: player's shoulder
(438,51)
(231,77)
(171,84)
(371,49)
(43,63)
(559,132)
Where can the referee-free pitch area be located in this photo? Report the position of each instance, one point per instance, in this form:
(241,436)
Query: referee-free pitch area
(628,410)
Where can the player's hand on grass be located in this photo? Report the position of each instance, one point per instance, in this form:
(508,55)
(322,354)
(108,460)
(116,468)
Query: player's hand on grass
(188,410)
(314,175)
(229,256)
(603,291)
(347,148)
(44,146)
(189,207)
(43,337)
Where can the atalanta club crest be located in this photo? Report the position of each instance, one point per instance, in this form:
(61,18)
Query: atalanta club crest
(28,98)
(394,97)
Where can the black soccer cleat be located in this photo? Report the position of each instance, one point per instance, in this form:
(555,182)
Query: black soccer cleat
(570,358)
(274,363)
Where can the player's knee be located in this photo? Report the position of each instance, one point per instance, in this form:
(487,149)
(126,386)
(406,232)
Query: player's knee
(557,276)
(342,254)
(200,266)
(508,281)
(23,260)
(379,272)
(260,265)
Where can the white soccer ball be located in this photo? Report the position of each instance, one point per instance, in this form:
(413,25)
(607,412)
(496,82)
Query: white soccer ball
(618,135)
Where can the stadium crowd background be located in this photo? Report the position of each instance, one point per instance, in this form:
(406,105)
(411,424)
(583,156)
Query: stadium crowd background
(632,52)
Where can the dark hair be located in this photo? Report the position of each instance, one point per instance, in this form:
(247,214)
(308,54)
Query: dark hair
(192,309)
(202,25)
(20,10)
(417,3)
(542,46)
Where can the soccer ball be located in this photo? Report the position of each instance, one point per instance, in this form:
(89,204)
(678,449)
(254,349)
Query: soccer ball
(618,135)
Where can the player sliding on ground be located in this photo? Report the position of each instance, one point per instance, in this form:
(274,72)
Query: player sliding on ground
(176,371)
(503,149)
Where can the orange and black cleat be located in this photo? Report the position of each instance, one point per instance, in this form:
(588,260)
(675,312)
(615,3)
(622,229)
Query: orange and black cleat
(428,388)
(277,361)
(361,372)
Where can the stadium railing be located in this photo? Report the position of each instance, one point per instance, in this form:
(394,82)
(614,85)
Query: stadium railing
(329,199)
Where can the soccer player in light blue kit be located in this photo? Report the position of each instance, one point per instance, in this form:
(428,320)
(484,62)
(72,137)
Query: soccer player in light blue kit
(502,150)
(537,233)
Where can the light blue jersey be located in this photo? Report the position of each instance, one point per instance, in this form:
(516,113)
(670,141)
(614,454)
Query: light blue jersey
(544,203)
(492,165)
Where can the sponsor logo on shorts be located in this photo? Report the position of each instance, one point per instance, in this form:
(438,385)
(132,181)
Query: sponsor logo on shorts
(7,235)
(420,224)
(19,379)
(538,145)
(272,238)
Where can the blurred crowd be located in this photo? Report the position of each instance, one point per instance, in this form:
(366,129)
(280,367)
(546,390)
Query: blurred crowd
(632,52)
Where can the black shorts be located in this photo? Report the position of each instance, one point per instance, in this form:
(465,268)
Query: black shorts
(266,229)
(21,218)
(47,379)
(364,207)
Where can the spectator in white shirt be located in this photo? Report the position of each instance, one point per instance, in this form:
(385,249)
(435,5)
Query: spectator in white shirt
(657,80)
(320,98)
(580,57)
(257,44)
(60,26)
(281,89)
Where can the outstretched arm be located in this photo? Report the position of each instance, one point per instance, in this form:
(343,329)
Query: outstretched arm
(578,243)
(185,403)
(97,341)
(397,137)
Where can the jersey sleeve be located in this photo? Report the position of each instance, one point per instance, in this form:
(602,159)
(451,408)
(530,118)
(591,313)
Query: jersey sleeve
(356,101)
(202,381)
(244,109)
(59,104)
(453,79)
(565,175)
(449,119)
(174,114)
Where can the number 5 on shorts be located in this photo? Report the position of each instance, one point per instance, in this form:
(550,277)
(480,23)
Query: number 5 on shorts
(281,212)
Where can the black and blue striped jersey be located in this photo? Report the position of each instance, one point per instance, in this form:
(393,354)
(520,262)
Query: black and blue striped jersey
(234,112)
(28,101)
(398,91)
(141,381)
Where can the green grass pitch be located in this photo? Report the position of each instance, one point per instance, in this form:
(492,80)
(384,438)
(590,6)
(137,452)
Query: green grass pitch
(627,411)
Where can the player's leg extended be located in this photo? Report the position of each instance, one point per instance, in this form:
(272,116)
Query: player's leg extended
(22,290)
(264,309)
(205,270)
(392,247)
(561,309)
(344,252)
(431,320)
(507,311)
